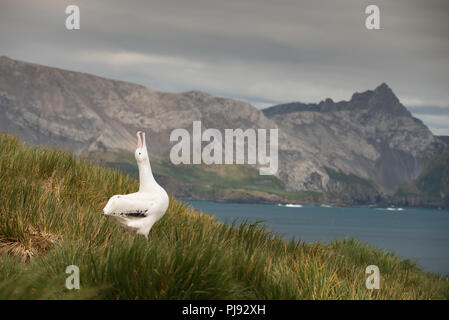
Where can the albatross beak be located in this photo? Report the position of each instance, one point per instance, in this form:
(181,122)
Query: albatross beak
(139,140)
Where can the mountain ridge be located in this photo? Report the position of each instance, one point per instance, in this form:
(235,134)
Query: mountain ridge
(383,91)
(385,129)
(372,136)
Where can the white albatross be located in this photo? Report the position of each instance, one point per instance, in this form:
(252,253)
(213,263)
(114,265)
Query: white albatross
(147,205)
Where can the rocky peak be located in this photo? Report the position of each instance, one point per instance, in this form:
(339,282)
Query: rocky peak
(384,100)
(384,89)
(384,94)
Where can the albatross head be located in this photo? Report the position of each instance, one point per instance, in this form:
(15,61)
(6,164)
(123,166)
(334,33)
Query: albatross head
(141,153)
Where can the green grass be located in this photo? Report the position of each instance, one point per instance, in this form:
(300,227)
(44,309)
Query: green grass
(432,184)
(435,176)
(50,206)
(211,182)
(348,178)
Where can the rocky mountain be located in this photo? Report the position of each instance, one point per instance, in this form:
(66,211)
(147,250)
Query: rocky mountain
(372,136)
(355,150)
(444,139)
(80,112)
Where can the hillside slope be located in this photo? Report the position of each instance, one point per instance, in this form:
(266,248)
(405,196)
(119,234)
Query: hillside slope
(372,137)
(431,187)
(50,218)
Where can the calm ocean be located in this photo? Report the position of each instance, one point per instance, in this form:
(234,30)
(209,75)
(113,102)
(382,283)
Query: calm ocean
(421,234)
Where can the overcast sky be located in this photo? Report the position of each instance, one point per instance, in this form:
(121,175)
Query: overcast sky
(260,51)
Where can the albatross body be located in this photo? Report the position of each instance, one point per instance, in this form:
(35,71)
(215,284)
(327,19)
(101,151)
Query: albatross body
(140,210)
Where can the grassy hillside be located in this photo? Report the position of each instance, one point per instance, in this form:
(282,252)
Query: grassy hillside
(430,187)
(351,189)
(50,218)
(240,183)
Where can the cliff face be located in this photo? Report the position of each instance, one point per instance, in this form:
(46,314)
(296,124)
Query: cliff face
(430,188)
(80,112)
(371,137)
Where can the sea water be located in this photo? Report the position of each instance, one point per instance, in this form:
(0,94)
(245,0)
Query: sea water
(412,233)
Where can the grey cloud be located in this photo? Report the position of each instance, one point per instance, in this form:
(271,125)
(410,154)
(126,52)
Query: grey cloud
(261,51)
(429,110)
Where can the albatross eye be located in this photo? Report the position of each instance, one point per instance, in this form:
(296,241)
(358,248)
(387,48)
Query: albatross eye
(139,153)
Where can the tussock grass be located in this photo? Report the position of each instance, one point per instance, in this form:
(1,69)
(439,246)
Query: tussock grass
(50,206)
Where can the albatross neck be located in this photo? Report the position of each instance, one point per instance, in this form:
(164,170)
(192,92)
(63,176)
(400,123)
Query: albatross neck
(147,181)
